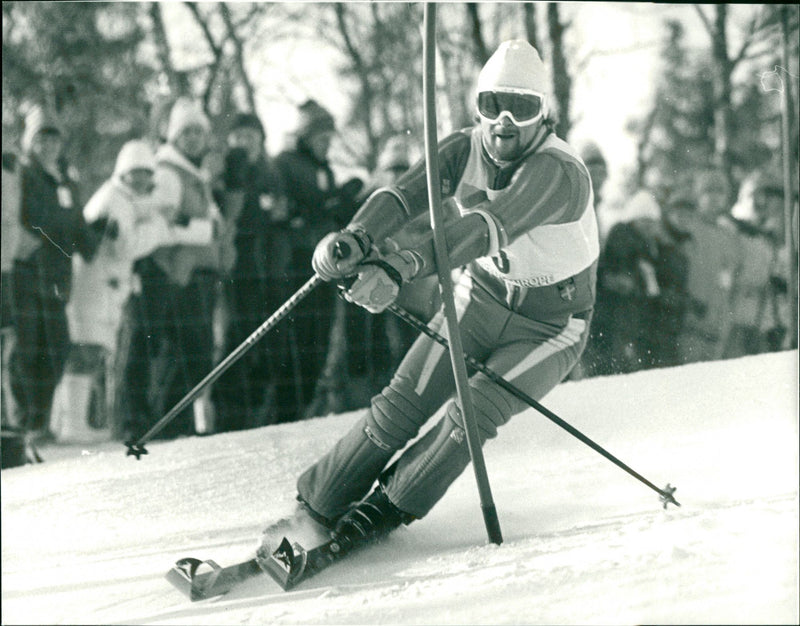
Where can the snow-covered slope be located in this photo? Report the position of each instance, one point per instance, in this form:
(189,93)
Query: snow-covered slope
(88,536)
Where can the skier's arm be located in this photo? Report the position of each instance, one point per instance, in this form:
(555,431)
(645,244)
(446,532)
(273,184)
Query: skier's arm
(388,210)
(545,190)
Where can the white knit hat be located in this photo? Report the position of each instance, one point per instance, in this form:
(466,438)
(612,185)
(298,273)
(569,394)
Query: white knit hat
(135,155)
(642,205)
(185,112)
(514,65)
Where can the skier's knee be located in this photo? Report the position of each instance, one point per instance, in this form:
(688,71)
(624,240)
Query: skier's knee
(394,417)
(492,410)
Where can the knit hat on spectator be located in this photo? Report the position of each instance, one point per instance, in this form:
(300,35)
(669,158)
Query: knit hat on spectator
(185,113)
(37,120)
(642,206)
(313,119)
(247,120)
(136,154)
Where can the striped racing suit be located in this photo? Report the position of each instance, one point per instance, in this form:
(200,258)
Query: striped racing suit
(525,234)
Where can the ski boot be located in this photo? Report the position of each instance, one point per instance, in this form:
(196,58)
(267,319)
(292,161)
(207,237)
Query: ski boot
(371,519)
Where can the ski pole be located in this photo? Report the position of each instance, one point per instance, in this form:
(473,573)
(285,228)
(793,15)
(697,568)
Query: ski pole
(445,279)
(665,494)
(137,449)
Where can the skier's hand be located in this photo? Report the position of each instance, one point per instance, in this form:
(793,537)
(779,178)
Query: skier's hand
(379,280)
(338,254)
(373,290)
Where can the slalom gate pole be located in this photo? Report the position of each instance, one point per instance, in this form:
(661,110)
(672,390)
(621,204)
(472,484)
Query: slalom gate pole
(445,278)
(137,449)
(665,494)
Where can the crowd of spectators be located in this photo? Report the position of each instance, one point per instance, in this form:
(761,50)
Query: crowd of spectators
(686,275)
(170,265)
(177,258)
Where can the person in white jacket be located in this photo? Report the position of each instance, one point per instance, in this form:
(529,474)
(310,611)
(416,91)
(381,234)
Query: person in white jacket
(172,336)
(101,287)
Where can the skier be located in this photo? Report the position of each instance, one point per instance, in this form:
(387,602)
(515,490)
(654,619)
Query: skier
(521,219)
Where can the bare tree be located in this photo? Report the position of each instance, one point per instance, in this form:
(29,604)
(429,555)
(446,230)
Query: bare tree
(529,12)
(562,82)
(476,30)
(723,65)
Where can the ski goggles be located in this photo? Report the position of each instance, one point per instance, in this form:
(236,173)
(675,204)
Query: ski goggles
(523,106)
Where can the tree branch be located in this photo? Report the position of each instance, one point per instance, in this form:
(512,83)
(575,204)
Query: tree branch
(481,52)
(216,50)
(162,48)
(201,22)
(239,55)
(529,13)
(704,19)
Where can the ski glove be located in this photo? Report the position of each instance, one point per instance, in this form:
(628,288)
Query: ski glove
(338,254)
(378,283)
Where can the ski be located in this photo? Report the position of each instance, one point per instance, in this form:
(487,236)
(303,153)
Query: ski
(191,577)
(288,565)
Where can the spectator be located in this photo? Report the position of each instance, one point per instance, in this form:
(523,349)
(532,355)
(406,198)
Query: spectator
(316,206)
(12,229)
(53,231)
(714,256)
(12,235)
(641,293)
(598,171)
(759,302)
(595,162)
(102,287)
(172,337)
(253,196)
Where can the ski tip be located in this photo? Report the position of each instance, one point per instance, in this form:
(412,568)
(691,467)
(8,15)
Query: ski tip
(285,565)
(185,578)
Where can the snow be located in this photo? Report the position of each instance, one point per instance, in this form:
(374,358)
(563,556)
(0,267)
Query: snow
(88,536)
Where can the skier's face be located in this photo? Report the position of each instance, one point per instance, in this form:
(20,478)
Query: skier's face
(504,140)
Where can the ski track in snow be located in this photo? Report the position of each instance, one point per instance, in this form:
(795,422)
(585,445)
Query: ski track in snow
(88,536)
